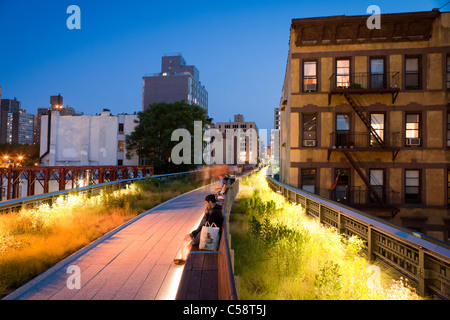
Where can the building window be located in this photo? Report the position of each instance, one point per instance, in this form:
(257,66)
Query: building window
(448,72)
(120,145)
(412,132)
(343,130)
(308,182)
(377,183)
(448,187)
(309,76)
(343,73)
(377,73)
(340,187)
(120,127)
(412,73)
(309,130)
(412,186)
(120,162)
(377,123)
(448,129)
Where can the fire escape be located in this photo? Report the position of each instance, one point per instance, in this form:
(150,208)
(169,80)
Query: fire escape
(351,144)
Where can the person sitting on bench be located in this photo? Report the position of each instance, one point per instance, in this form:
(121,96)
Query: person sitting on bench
(212,214)
(221,193)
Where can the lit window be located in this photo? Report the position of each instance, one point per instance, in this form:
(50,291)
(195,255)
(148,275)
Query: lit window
(412,132)
(309,76)
(377,123)
(343,73)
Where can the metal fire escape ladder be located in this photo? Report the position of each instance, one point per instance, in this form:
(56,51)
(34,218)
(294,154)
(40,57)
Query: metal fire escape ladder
(359,109)
(359,166)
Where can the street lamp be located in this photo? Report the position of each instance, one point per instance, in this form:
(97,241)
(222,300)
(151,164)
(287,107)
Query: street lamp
(5,160)
(20,158)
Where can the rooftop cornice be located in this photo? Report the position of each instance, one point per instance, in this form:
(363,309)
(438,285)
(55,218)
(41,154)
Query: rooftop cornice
(413,26)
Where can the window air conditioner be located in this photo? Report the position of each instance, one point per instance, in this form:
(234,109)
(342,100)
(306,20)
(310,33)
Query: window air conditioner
(413,141)
(309,143)
(310,87)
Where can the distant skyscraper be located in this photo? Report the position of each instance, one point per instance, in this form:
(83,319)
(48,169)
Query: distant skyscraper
(20,127)
(276,118)
(8,107)
(16,124)
(177,81)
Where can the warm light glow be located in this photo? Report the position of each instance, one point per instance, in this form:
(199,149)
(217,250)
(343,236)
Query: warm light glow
(176,277)
(174,283)
(326,256)
(80,182)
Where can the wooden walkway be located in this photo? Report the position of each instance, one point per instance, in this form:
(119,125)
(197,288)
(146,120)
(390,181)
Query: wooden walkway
(132,262)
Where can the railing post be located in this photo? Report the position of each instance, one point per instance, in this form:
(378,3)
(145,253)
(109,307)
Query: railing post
(370,243)
(339,222)
(320,214)
(421,273)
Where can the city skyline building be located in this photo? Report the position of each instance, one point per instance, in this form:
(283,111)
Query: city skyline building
(9,106)
(176,82)
(240,140)
(20,127)
(16,125)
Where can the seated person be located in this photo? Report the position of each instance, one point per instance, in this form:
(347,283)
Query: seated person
(213,214)
(220,194)
(219,186)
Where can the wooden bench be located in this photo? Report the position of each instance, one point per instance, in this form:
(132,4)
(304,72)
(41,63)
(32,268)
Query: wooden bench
(208,275)
(199,280)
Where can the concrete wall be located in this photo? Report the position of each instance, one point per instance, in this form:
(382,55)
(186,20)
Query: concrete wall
(85,140)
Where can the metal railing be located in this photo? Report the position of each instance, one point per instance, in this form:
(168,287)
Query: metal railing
(49,198)
(422,259)
(365,81)
(357,140)
(226,278)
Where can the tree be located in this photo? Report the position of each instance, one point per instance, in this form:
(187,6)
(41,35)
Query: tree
(151,138)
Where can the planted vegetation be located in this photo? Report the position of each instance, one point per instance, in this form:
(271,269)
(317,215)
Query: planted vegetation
(31,241)
(280,253)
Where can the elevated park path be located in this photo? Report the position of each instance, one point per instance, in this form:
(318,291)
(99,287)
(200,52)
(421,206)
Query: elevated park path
(135,261)
(132,262)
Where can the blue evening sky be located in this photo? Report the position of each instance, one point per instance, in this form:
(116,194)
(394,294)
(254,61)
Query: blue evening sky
(239,47)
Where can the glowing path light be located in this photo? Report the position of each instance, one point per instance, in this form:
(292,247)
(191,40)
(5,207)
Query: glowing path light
(174,281)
